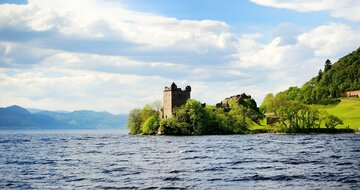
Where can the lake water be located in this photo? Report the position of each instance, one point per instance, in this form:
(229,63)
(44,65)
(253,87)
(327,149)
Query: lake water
(113,159)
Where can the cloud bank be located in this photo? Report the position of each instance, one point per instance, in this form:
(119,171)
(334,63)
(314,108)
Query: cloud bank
(348,9)
(101,55)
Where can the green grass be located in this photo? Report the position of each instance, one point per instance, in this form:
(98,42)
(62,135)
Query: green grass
(347,110)
(262,128)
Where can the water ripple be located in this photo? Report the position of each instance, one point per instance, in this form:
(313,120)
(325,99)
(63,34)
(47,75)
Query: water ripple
(116,161)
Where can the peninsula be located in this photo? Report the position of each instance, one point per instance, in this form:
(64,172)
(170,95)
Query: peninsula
(309,109)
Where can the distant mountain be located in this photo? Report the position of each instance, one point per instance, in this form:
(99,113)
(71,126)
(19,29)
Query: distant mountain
(34,110)
(88,119)
(330,83)
(16,117)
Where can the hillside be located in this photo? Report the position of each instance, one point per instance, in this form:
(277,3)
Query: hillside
(347,110)
(331,82)
(319,105)
(16,117)
(85,119)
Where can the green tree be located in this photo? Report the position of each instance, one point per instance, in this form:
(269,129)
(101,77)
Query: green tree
(332,121)
(319,75)
(327,65)
(171,126)
(295,116)
(267,104)
(147,112)
(308,117)
(151,125)
(134,121)
(197,116)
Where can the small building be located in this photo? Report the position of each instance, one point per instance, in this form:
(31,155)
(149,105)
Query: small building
(355,93)
(271,119)
(174,97)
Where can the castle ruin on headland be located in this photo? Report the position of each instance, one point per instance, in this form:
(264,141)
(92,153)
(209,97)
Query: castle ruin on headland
(238,98)
(174,97)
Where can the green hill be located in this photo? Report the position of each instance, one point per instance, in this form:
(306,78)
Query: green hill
(331,83)
(347,110)
(319,105)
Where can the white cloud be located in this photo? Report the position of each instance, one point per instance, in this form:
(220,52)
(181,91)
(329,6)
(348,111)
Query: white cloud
(251,36)
(348,9)
(271,56)
(70,80)
(279,65)
(332,40)
(204,54)
(95,19)
(67,89)
(327,41)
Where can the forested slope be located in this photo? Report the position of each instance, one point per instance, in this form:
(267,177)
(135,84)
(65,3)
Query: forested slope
(331,83)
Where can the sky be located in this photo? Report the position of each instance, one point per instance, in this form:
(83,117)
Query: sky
(116,55)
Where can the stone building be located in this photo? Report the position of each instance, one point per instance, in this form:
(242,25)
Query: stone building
(355,93)
(174,97)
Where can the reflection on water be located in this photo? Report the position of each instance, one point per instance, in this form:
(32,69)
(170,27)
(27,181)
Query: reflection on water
(84,159)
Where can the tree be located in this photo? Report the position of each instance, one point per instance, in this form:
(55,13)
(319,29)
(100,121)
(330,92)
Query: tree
(308,117)
(331,121)
(139,120)
(134,121)
(151,125)
(295,116)
(319,75)
(147,112)
(327,65)
(156,105)
(197,115)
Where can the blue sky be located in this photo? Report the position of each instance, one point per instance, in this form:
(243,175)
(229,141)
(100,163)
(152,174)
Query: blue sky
(109,55)
(234,12)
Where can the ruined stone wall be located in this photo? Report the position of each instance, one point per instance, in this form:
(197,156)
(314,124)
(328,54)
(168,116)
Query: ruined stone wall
(238,98)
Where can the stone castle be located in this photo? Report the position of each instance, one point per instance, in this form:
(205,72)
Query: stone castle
(174,97)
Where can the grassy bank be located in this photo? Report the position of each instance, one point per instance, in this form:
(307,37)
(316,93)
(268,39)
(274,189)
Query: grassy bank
(347,110)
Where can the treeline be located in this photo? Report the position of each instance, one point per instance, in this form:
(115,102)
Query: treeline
(192,119)
(330,83)
(293,116)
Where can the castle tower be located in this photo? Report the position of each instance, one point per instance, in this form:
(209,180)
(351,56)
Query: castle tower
(174,97)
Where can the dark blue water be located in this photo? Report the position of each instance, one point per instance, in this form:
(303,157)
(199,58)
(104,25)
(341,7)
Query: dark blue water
(102,160)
